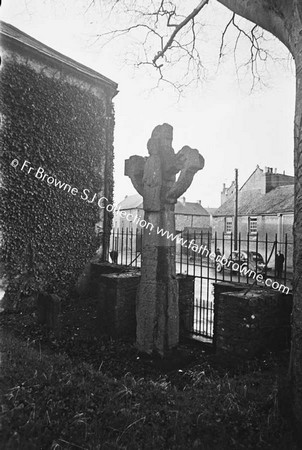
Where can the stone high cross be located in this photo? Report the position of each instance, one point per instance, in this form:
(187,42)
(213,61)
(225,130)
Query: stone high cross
(154,177)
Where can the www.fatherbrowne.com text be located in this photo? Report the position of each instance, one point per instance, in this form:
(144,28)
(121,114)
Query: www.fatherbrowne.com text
(101,201)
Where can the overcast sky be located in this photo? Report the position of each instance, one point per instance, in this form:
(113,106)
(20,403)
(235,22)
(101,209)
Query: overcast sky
(229,125)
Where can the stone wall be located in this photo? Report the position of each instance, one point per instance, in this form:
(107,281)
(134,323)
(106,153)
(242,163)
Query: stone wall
(183,221)
(219,288)
(247,324)
(116,303)
(186,305)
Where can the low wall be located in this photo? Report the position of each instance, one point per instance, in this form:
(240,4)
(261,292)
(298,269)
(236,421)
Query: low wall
(186,305)
(251,323)
(219,288)
(116,303)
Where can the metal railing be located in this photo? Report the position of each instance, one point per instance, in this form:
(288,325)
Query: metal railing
(195,256)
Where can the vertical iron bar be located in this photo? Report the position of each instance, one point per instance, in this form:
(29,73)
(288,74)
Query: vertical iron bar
(248,250)
(117,243)
(223,248)
(239,253)
(181,237)
(236,211)
(112,243)
(131,245)
(200,289)
(136,249)
(208,288)
(126,237)
(122,246)
(194,257)
(257,248)
(231,271)
(265,255)
(187,252)
(285,260)
(215,265)
(276,245)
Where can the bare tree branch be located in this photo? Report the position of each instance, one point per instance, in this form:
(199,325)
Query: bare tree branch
(257,52)
(161,49)
(223,35)
(178,28)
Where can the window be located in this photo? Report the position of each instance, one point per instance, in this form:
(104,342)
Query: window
(253,225)
(229,224)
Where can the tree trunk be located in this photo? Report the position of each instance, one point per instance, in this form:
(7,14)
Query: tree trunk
(284,20)
(264,14)
(296,349)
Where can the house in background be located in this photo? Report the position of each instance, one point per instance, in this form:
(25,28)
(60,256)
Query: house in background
(132,204)
(191,219)
(265,208)
(227,193)
(260,181)
(188,215)
(269,214)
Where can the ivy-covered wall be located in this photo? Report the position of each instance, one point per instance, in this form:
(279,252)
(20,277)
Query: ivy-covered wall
(48,232)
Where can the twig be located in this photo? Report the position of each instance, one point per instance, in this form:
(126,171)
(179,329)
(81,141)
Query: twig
(177,29)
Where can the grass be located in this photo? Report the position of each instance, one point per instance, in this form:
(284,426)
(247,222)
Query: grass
(53,400)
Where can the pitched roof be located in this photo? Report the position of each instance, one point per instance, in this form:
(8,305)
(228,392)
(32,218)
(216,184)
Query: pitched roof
(132,202)
(187,208)
(19,37)
(211,211)
(278,201)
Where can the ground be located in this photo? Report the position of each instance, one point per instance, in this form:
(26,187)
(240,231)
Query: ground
(85,391)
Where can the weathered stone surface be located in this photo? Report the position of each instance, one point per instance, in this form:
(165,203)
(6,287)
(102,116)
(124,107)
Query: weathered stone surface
(134,168)
(85,287)
(248,324)
(155,179)
(219,288)
(191,161)
(116,304)
(186,305)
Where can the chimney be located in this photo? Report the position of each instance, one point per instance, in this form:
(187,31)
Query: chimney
(199,202)
(265,169)
(283,172)
(126,196)
(223,187)
(183,200)
(275,169)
